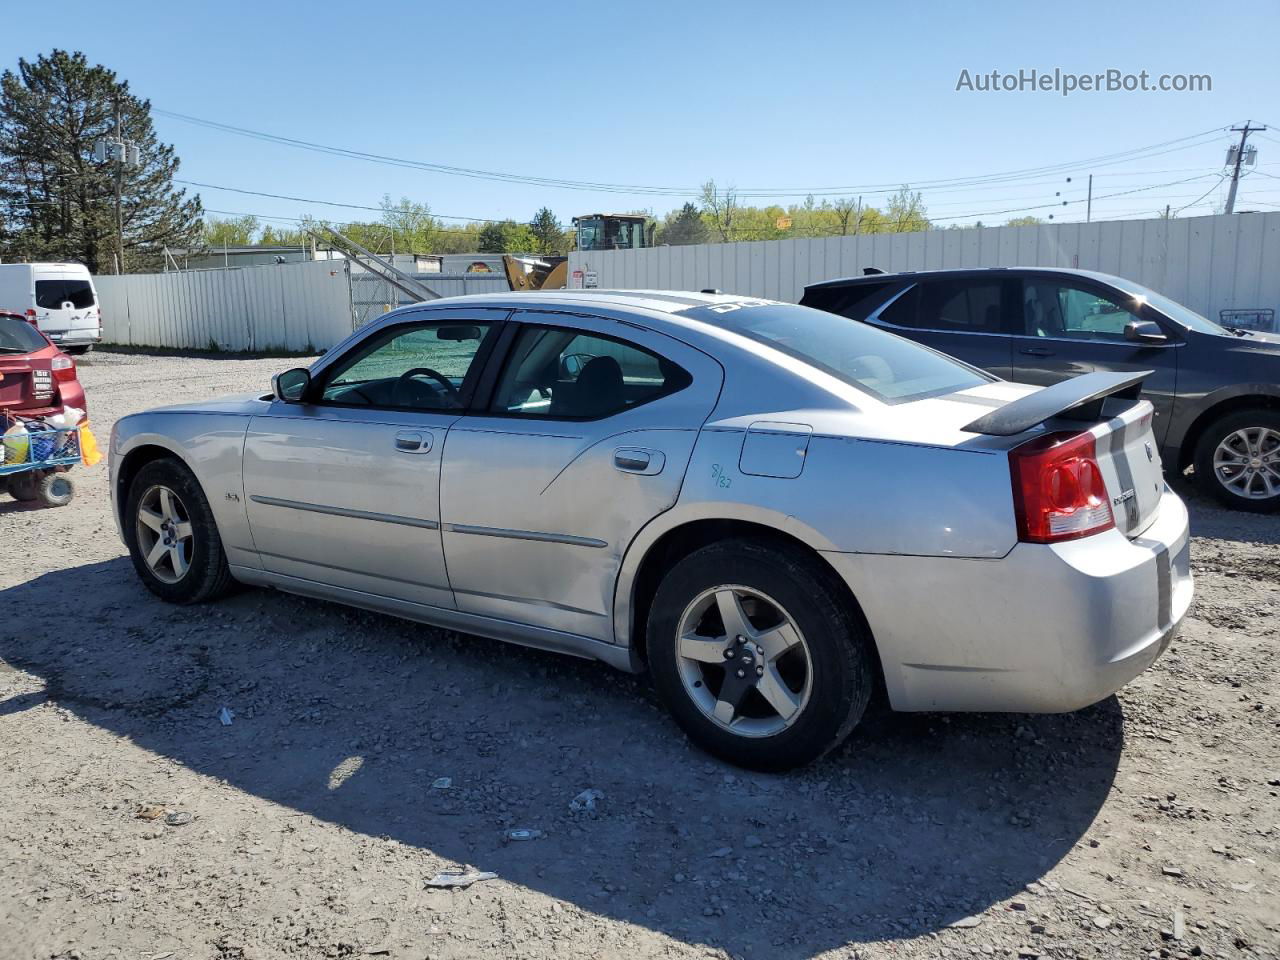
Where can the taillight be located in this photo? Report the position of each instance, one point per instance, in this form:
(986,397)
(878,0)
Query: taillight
(1058,491)
(64,368)
(30,315)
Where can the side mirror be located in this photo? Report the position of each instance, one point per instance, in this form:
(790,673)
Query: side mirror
(291,386)
(1144,331)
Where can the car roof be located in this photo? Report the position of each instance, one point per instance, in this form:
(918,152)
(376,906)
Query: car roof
(957,272)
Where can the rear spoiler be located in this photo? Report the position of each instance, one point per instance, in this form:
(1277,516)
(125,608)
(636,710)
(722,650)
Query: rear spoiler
(1080,398)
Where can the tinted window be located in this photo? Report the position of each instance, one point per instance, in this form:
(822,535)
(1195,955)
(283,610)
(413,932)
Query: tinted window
(559,373)
(1170,308)
(856,301)
(52,294)
(419,367)
(905,311)
(1054,309)
(18,336)
(880,363)
(970,306)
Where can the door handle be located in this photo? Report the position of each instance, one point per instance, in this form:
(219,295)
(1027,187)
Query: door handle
(1036,352)
(413,442)
(639,460)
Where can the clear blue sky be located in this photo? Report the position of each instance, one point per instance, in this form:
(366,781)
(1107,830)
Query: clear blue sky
(754,94)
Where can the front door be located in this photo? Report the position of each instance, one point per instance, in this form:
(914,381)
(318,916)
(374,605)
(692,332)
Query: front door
(343,489)
(1073,326)
(584,440)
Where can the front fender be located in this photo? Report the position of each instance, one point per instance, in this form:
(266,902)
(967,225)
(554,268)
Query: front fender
(211,446)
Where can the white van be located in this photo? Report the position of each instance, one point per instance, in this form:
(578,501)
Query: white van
(60,297)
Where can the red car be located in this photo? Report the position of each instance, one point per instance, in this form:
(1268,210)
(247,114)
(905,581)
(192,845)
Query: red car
(36,380)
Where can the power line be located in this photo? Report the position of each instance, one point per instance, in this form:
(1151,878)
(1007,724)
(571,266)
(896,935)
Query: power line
(329,203)
(643,189)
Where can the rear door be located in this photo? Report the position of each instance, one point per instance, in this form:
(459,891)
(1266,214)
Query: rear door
(965,317)
(66,305)
(585,439)
(1072,325)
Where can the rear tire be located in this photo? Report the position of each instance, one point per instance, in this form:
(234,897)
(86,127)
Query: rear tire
(723,684)
(1238,456)
(55,490)
(22,486)
(173,539)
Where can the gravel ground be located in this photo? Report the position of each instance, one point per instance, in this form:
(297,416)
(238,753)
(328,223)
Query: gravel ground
(136,825)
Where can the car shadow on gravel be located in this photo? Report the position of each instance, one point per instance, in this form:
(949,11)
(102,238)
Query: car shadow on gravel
(918,822)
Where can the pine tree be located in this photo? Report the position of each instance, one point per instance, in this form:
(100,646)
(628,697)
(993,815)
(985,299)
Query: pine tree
(687,226)
(548,234)
(56,201)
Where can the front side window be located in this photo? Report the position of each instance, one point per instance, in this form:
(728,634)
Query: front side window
(1053,309)
(567,374)
(965,306)
(52,294)
(880,363)
(420,367)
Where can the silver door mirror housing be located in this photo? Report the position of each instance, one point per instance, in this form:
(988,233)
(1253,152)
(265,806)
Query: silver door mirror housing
(291,386)
(1144,331)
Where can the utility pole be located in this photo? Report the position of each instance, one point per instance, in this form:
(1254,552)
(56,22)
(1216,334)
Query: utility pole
(1088,206)
(1235,172)
(119,192)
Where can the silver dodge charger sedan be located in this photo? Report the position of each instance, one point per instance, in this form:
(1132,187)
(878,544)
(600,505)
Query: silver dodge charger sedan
(775,510)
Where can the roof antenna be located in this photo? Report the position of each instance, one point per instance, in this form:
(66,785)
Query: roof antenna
(710,290)
(871,271)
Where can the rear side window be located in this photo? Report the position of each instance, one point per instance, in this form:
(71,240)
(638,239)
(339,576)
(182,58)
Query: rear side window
(52,294)
(18,336)
(567,374)
(856,301)
(965,306)
(880,363)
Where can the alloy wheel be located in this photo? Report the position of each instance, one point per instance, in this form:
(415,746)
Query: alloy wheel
(743,661)
(1247,462)
(165,535)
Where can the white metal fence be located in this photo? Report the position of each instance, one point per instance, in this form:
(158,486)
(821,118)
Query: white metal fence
(291,306)
(296,306)
(1210,264)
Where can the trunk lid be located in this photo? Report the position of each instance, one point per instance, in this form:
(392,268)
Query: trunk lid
(26,383)
(1130,464)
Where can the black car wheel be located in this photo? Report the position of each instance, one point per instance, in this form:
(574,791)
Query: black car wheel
(758,655)
(173,540)
(1238,460)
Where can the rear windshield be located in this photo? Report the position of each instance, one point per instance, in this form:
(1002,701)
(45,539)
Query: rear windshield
(52,294)
(880,363)
(19,336)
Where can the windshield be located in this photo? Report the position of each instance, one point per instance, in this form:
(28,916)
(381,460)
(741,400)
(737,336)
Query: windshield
(1170,308)
(18,336)
(886,366)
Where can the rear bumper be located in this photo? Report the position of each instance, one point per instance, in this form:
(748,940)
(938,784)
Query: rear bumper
(75,338)
(1045,629)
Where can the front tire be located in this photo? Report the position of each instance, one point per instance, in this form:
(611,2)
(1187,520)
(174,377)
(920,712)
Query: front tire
(173,539)
(1238,460)
(758,655)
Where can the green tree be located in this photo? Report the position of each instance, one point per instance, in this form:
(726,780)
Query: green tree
(721,209)
(412,227)
(905,213)
(58,202)
(233,232)
(505,236)
(1023,222)
(547,233)
(684,226)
